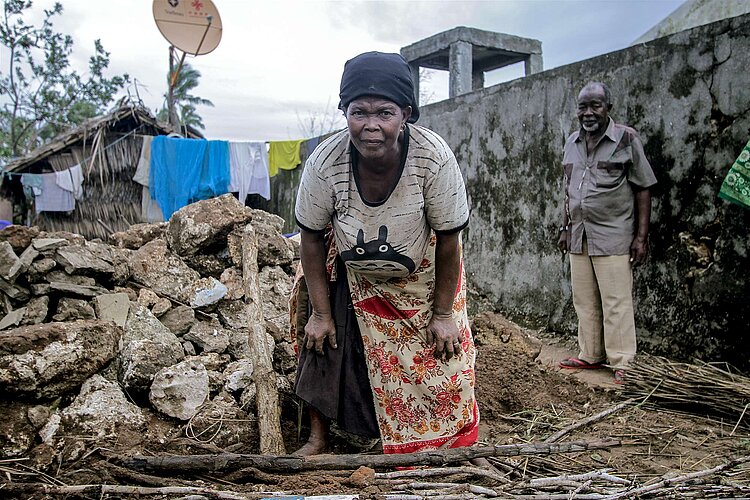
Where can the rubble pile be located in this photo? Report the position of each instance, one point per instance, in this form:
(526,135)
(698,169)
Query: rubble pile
(141,336)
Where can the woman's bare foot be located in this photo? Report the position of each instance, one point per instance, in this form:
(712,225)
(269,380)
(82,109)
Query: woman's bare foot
(313,446)
(317,443)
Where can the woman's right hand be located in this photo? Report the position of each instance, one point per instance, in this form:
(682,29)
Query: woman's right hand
(319,328)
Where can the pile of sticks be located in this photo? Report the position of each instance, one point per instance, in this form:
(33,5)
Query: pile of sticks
(704,388)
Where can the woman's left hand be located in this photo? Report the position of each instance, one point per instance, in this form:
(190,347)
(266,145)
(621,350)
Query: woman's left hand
(442,332)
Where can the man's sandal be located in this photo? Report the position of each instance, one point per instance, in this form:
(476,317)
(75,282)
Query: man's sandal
(580,364)
(619,377)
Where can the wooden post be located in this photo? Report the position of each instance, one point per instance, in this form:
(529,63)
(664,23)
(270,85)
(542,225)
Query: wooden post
(267,397)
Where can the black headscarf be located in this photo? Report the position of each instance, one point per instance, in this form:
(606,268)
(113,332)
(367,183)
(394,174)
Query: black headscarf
(381,75)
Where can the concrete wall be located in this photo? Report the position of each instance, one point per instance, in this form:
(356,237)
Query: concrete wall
(688,96)
(694,13)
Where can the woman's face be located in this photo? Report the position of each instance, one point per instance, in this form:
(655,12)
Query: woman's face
(374,126)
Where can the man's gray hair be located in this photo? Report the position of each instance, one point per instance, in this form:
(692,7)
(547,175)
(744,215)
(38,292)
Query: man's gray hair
(607,93)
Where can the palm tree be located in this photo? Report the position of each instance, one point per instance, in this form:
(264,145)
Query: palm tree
(184,102)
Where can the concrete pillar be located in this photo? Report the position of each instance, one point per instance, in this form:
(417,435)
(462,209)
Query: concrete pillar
(415,78)
(477,80)
(459,66)
(533,64)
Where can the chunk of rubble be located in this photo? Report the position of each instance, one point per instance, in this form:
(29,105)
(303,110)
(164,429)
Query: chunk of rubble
(19,237)
(22,264)
(161,306)
(15,292)
(8,259)
(208,337)
(178,391)
(48,244)
(205,223)
(39,269)
(236,429)
(113,307)
(101,410)
(51,359)
(90,259)
(179,320)
(37,310)
(79,290)
(138,235)
(13,318)
(205,292)
(70,309)
(239,375)
(17,433)
(147,298)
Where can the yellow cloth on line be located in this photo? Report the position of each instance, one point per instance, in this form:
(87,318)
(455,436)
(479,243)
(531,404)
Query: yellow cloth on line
(283,155)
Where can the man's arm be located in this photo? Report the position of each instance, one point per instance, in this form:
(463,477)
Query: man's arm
(320,325)
(639,246)
(442,330)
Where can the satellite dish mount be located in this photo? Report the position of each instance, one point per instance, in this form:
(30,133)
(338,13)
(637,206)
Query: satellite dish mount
(193,27)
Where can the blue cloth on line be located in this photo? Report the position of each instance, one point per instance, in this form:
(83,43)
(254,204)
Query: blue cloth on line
(187,170)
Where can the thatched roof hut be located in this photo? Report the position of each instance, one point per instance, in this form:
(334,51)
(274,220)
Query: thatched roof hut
(108,148)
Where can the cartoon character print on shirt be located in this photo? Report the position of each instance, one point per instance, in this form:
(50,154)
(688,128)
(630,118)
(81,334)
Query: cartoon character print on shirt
(378,254)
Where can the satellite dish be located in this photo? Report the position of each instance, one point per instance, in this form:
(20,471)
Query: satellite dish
(193,26)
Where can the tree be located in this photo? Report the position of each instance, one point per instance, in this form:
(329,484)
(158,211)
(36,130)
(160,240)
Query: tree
(42,94)
(185,103)
(321,121)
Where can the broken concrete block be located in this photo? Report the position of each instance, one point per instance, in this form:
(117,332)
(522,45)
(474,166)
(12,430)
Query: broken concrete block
(178,391)
(188,348)
(13,318)
(179,320)
(205,223)
(121,265)
(40,289)
(208,337)
(69,309)
(23,263)
(209,265)
(36,310)
(35,361)
(101,410)
(147,298)
(155,267)
(62,277)
(232,279)
(80,290)
(213,361)
(112,307)
(8,259)
(39,268)
(47,244)
(90,259)
(15,292)
(161,307)
(239,375)
(132,294)
(138,235)
(19,237)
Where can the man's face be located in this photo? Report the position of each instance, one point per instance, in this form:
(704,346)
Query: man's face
(593,110)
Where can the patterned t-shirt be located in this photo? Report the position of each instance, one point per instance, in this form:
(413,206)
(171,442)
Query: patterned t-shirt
(389,238)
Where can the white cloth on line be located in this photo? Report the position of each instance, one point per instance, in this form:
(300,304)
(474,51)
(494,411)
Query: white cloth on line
(143,170)
(248,169)
(71,180)
(150,210)
(53,197)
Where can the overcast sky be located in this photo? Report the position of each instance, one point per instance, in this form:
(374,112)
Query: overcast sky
(279,60)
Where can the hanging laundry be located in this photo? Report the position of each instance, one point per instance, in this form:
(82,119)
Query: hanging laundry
(53,198)
(150,211)
(187,170)
(32,185)
(248,169)
(736,185)
(214,180)
(71,180)
(143,168)
(283,155)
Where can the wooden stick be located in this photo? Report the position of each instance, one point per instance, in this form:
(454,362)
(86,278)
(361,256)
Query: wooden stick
(599,474)
(681,479)
(288,463)
(586,421)
(267,398)
(107,489)
(443,471)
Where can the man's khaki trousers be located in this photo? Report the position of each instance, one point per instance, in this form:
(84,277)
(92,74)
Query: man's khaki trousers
(603,299)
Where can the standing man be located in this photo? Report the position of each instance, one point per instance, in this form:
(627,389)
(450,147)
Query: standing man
(605,230)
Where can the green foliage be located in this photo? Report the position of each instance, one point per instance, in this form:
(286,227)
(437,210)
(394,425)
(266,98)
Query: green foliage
(41,94)
(185,102)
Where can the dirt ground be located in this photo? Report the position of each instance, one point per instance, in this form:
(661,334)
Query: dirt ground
(523,396)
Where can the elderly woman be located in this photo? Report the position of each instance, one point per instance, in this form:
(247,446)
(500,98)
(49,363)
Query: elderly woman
(387,351)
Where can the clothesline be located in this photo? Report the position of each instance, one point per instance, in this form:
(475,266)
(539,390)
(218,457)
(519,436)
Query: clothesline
(85,160)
